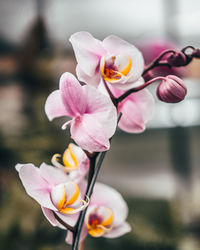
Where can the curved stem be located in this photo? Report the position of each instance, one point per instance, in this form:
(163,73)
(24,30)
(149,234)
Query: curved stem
(91,170)
(156,62)
(130,91)
(187,47)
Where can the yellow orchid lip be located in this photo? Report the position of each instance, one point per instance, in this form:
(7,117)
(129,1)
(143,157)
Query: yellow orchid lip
(63,205)
(70,162)
(73,158)
(97,226)
(70,210)
(110,75)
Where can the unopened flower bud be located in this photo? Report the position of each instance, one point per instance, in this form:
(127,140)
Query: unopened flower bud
(196,53)
(177,60)
(172,89)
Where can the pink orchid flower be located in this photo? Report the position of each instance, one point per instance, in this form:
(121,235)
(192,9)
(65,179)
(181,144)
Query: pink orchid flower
(75,162)
(94,117)
(54,191)
(116,61)
(106,215)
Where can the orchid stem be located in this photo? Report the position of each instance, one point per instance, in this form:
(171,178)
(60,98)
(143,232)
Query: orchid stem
(112,97)
(91,169)
(156,62)
(130,91)
(77,233)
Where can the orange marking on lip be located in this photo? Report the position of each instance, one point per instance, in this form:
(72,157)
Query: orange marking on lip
(74,196)
(72,155)
(96,232)
(109,220)
(111,75)
(62,200)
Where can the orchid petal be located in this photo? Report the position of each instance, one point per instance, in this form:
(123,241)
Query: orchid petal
(69,219)
(136,111)
(88,51)
(35,186)
(72,94)
(53,175)
(131,120)
(102,109)
(145,103)
(89,134)
(54,106)
(118,231)
(51,218)
(93,80)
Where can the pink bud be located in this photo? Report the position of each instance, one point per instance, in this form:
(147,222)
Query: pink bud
(172,89)
(178,59)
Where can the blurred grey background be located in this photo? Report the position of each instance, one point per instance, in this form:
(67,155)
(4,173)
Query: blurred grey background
(157,171)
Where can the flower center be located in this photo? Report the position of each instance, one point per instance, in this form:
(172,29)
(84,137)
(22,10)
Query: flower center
(94,220)
(70,159)
(99,221)
(114,68)
(64,197)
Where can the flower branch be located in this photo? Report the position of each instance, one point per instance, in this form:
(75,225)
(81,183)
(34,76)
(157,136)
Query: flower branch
(65,197)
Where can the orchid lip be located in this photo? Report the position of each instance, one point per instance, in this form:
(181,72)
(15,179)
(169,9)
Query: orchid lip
(56,163)
(64,197)
(70,210)
(112,75)
(70,161)
(97,225)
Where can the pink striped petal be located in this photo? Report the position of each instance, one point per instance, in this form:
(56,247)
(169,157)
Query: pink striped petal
(89,134)
(72,94)
(102,109)
(54,106)
(35,186)
(88,51)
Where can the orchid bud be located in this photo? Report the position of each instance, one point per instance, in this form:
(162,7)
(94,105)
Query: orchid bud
(172,89)
(196,53)
(177,60)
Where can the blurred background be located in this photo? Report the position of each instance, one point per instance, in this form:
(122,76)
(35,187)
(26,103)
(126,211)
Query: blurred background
(157,171)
